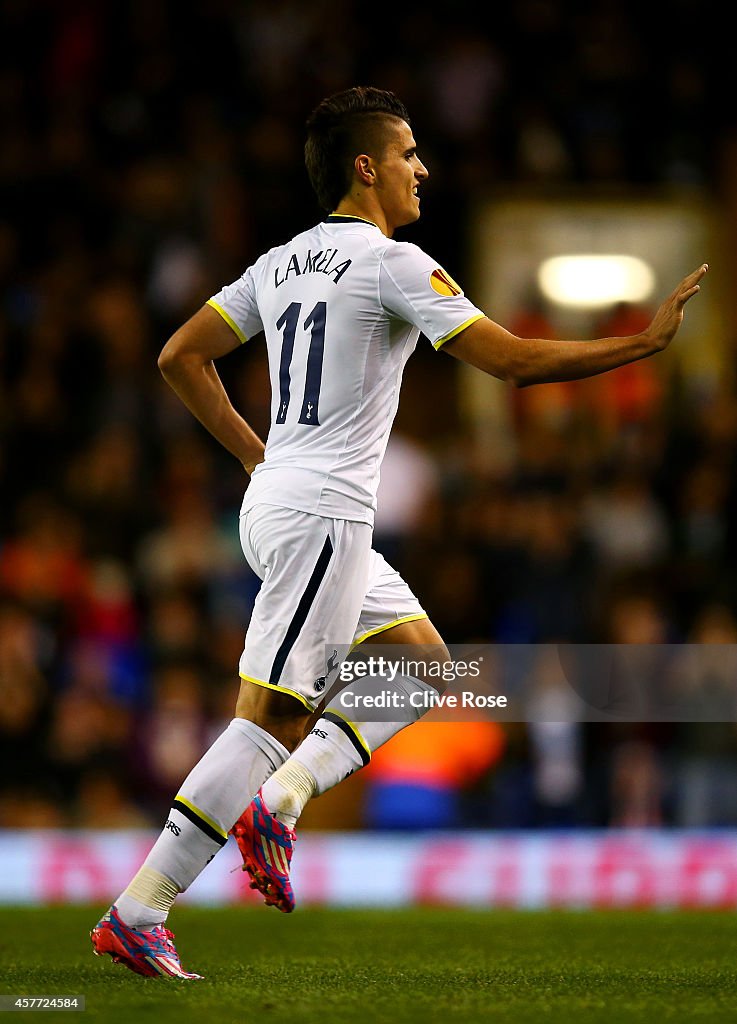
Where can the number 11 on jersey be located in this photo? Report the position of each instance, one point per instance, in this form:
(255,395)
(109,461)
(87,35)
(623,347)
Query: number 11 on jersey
(288,322)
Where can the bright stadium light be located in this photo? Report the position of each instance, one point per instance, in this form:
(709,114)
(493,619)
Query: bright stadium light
(588,281)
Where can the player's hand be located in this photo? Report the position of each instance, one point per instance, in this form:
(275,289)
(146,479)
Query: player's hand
(669,316)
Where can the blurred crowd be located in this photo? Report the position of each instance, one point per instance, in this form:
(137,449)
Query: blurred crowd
(148,152)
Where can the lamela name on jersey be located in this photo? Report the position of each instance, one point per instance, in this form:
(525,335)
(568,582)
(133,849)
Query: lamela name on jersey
(327,262)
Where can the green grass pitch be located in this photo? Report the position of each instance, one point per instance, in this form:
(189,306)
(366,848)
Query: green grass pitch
(392,967)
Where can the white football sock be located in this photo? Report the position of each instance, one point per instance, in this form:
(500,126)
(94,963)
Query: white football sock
(209,802)
(334,749)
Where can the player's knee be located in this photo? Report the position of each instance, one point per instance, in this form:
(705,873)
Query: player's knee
(280,714)
(416,650)
(435,667)
(443,675)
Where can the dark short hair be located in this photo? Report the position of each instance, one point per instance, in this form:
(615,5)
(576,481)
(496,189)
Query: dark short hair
(338,129)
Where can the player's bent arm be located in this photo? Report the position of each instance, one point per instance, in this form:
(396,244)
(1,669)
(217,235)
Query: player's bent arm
(187,364)
(525,361)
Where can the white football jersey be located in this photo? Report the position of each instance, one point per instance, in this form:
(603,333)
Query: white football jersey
(341,307)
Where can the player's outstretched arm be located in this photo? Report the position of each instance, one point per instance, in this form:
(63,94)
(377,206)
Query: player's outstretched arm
(187,364)
(524,361)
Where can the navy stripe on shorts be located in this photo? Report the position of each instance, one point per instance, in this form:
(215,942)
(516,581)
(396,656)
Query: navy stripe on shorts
(303,609)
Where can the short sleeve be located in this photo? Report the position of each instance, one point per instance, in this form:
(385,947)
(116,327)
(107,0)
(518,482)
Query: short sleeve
(236,304)
(416,289)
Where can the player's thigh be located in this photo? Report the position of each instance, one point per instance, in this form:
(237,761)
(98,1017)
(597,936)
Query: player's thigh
(413,633)
(314,573)
(391,612)
(392,617)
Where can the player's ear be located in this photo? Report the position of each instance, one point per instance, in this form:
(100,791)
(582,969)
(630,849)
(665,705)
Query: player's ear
(364,169)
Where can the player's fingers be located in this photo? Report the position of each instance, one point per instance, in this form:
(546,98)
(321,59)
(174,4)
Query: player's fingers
(691,280)
(694,277)
(697,274)
(689,286)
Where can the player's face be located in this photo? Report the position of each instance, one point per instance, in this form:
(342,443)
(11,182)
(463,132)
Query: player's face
(399,175)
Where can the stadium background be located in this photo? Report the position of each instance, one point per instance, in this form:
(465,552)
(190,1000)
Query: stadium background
(146,156)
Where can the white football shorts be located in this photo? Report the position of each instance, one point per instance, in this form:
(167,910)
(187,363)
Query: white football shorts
(323,585)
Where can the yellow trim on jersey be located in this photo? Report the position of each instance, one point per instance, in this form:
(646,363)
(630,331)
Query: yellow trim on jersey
(199,813)
(229,321)
(279,689)
(353,727)
(463,326)
(388,625)
(353,216)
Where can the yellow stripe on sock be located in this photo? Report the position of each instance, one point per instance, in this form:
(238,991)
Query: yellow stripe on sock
(353,727)
(201,814)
